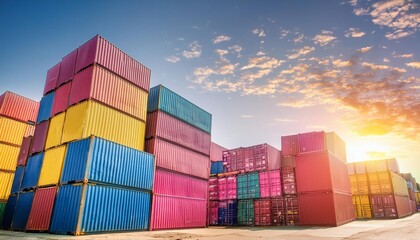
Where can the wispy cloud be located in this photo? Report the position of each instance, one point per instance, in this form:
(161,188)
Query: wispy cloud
(259,32)
(324,38)
(354,32)
(263,62)
(301,52)
(361,11)
(194,50)
(299,38)
(237,49)
(221,38)
(341,63)
(407,55)
(413,64)
(284,33)
(172,59)
(365,49)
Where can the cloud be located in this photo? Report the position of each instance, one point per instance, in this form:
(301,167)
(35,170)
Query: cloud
(354,32)
(247,116)
(172,59)
(221,38)
(237,49)
(407,55)
(324,38)
(365,49)
(374,66)
(353,2)
(284,33)
(386,60)
(340,63)
(299,38)
(259,32)
(194,50)
(263,62)
(284,120)
(413,64)
(361,11)
(221,52)
(301,52)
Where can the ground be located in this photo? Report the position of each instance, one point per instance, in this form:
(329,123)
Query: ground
(406,228)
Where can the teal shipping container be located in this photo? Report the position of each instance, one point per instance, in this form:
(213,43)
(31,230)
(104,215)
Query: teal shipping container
(246,212)
(161,98)
(248,186)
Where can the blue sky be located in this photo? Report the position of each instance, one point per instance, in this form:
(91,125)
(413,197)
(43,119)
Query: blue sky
(262,68)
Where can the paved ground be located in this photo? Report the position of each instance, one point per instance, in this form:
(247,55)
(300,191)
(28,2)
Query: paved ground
(399,229)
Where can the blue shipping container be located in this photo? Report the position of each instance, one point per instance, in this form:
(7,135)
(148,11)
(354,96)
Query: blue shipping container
(171,103)
(23,208)
(228,215)
(98,160)
(45,107)
(17,181)
(9,212)
(104,209)
(32,171)
(216,168)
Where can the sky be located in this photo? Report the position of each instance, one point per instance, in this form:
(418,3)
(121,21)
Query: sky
(263,69)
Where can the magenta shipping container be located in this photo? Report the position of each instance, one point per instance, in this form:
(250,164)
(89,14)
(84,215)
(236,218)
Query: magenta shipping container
(61,99)
(175,184)
(261,157)
(68,64)
(17,107)
(216,152)
(24,151)
(289,145)
(270,184)
(228,188)
(311,142)
(98,50)
(52,78)
(213,188)
(179,159)
(170,212)
(40,136)
(42,208)
(213,213)
(160,124)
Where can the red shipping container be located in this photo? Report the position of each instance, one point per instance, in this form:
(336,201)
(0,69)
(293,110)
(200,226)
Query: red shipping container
(41,211)
(270,184)
(227,188)
(67,67)
(179,159)
(98,50)
(52,78)
(24,151)
(262,157)
(350,168)
(213,213)
(288,180)
(289,145)
(403,206)
(160,124)
(288,161)
(170,212)
(325,208)
(262,212)
(413,206)
(18,108)
(278,212)
(311,142)
(213,189)
(216,152)
(175,184)
(40,136)
(360,167)
(329,171)
(291,204)
(61,98)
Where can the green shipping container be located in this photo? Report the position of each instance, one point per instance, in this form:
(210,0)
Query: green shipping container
(248,186)
(2,209)
(246,212)
(171,103)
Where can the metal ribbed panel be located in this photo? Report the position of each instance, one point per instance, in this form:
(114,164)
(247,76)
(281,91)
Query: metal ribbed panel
(42,207)
(270,184)
(18,107)
(24,151)
(61,99)
(9,212)
(2,210)
(52,78)
(23,207)
(17,180)
(55,130)
(68,64)
(75,161)
(11,131)
(30,130)
(45,107)
(40,136)
(51,166)
(311,142)
(246,212)
(6,180)
(248,186)
(8,156)
(32,171)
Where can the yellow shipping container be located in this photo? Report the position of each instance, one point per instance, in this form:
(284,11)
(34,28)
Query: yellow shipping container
(399,185)
(362,184)
(55,130)
(374,186)
(51,166)
(6,181)
(418,197)
(362,207)
(12,131)
(353,184)
(8,157)
(92,118)
(385,182)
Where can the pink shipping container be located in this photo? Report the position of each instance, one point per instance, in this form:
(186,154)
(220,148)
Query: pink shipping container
(227,188)
(61,99)
(178,159)
(18,108)
(175,184)
(330,173)
(216,152)
(288,180)
(170,212)
(24,151)
(68,64)
(270,184)
(98,50)
(41,211)
(40,136)
(262,157)
(262,212)
(213,188)
(160,124)
(325,208)
(289,145)
(311,142)
(213,213)
(52,78)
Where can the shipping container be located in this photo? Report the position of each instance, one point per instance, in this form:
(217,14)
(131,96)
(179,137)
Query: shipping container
(45,107)
(403,208)
(325,208)
(330,172)
(277,211)
(289,145)
(381,165)
(2,210)
(390,206)
(55,130)
(412,205)
(21,213)
(216,152)
(175,184)
(270,184)
(288,161)
(370,166)
(248,186)
(98,160)
(176,158)
(41,211)
(336,146)
(6,181)
(216,168)
(92,118)
(98,50)
(246,212)
(52,78)
(9,212)
(17,180)
(51,166)
(213,189)
(40,136)
(292,210)
(351,168)
(359,184)
(30,130)
(87,208)
(163,99)
(213,213)
(61,99)
(399,185)
(8,157)
(393,165)
(32,171)
(96,82)
(418,197)
(262,212)
(360,168)
(67,67)
(311,142)
(361,204)
(173,212)
(24,151)
(228,211)
(288,180)
(227,187)
(262,157)
(11,131)
(18,108)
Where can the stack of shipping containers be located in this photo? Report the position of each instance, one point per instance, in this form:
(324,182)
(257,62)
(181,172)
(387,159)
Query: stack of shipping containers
(378,191)
(179,135)
(216,167)
(86,158)
(412,188)
(17,118)
(418,196)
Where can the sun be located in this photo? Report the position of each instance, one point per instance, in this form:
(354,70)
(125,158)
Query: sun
(367,148)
